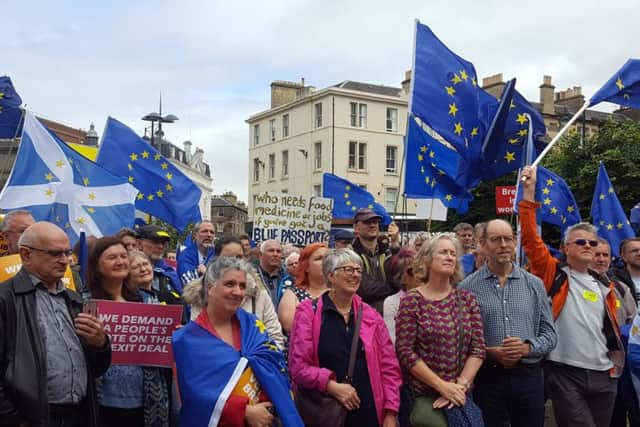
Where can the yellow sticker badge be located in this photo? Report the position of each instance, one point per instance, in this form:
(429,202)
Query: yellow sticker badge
(590,296)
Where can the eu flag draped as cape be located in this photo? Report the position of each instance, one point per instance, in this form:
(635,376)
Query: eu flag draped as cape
(209,368)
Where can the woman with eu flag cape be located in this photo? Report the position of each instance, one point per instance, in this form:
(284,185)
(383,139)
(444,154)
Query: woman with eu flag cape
(230,372)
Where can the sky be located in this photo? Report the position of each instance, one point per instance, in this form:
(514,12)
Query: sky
(213,61)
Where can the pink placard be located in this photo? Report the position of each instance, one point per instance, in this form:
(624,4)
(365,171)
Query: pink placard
(140,333)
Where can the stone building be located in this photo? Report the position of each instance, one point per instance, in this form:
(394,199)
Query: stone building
(228,215)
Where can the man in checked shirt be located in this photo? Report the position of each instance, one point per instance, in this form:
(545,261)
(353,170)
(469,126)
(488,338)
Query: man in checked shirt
(518,331)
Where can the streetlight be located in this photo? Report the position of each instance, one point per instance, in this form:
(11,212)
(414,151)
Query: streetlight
(158,117)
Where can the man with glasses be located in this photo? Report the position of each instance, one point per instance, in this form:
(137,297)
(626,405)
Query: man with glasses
(582,373)
(12,227)
(518,332)
(50,351)
(374,287)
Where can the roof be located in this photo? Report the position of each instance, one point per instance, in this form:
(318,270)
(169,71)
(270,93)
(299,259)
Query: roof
(218,202)
(369,88)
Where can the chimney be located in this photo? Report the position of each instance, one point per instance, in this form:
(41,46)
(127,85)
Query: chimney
(494,84)
(283,92)
(546,96)
(406,83)
(230,197)
(572,98)
(187,151)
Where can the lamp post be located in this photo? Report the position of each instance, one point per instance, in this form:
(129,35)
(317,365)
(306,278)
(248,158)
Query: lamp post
(158,117)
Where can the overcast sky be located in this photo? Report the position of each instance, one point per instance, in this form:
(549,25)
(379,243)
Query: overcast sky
(77,62)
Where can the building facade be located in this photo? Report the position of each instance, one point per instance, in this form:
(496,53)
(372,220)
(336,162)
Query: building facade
(354,130)
(228,215)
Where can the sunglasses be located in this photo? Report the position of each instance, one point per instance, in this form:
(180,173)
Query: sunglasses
(582,242)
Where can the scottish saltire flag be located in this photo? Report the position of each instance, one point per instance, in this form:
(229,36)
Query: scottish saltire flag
(349,197)
(429,168)
(607,213)
(504,143)
(10,113)
(558,206)
(633,350)
(59,185)
(445,94)
(209,369)
(164,191)
(622,88)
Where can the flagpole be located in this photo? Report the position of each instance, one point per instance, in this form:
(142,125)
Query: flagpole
(558,135)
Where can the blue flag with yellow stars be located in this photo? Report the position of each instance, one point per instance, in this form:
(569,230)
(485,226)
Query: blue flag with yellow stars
(349,197)
(10,113)
(607,213)
(504,145)
(445,94)
(558,206)
(164,191)
(57,184)
(622,88)
(431,170)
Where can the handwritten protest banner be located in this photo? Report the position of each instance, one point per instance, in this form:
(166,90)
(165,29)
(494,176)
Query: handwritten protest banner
(11,264)
(294,219)
(140,334)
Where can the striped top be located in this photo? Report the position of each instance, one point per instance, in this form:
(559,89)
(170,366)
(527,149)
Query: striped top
(428,330)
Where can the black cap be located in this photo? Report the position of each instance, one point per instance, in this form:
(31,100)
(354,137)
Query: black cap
(366,214)
(152,232)
(343,234)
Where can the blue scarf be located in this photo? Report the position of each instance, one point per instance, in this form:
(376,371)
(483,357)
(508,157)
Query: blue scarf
(208,369)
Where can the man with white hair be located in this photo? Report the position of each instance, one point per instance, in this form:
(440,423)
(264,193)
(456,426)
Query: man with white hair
(12,227)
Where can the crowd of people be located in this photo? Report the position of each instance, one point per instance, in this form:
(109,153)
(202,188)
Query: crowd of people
(444,330)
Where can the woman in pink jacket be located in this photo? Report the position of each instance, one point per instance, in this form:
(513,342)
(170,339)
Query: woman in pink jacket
(320,343)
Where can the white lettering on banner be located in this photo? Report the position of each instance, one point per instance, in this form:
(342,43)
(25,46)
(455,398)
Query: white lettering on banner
(291,219)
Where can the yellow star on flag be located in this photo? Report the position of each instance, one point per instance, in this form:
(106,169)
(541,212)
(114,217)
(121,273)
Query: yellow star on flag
(474,131)
(92,196)
(347,187)
(140,196)
(450,90)
(91,210)
(463,75)
(523,132)
(514,141)
(545,191)
(168,187)
(620,225)
(130,166)
(458,129)
(420,157)
(522,118)
(85,181)
(133,157)
(602,196)
(473,81)
(346,195)
(512,105)
(423,148)
(370,206)
(553,210)
(49,177)
(550,182)
(510,157)
(59,163)
(80,220)
(619,83)
(145,154)
(49,192)
(164,166)
(348,203)
(157,156)
(150,197)
(611,190)
(130,179)
(453,109)
(626,96)
(609,226)
(169,176)
(448,197)
(547,201)
(159,193)
(353,208)
(427,180)
(570,209)
(456,79)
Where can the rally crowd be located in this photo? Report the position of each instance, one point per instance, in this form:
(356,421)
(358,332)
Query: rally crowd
(442,331)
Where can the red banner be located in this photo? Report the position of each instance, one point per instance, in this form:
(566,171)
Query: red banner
(505,196)
(140,333)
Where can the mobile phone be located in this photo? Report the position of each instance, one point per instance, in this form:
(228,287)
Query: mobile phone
(90,307)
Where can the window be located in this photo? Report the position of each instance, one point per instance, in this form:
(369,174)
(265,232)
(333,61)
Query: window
(358,117)
(256,170)
(284,190)
(285,126)
(317,155)
(392,119)
(390,199)
(392,158)
(285,163)
(221,212)
(272,166)
(357,155)
(317,190)
(272,127)
(317,113)
(256,134)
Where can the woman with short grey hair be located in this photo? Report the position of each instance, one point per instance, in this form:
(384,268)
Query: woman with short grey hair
(327,324)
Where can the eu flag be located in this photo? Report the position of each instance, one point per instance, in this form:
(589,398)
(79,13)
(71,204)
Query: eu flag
(445,93)
(431,170)
(504,145)
(607,213)
(164,191)
(558,206)
(622,88)
(10,113)
(349,197)
(59,185)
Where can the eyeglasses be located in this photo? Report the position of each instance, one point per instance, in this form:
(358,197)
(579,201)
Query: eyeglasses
(51,252)
(582,242)
(350,271)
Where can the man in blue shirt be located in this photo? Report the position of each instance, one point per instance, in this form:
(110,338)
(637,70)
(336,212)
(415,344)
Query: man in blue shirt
(193,260)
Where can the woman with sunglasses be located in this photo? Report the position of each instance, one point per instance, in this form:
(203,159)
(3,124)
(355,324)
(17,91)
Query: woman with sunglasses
(320,344)
(129,395)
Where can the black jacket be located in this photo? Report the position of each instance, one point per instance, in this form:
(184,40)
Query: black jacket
(622,274)
(23,368)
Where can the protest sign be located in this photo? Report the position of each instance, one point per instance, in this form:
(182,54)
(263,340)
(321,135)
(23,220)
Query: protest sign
(292,219)
(140,334)
(505,195)
(11,264)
